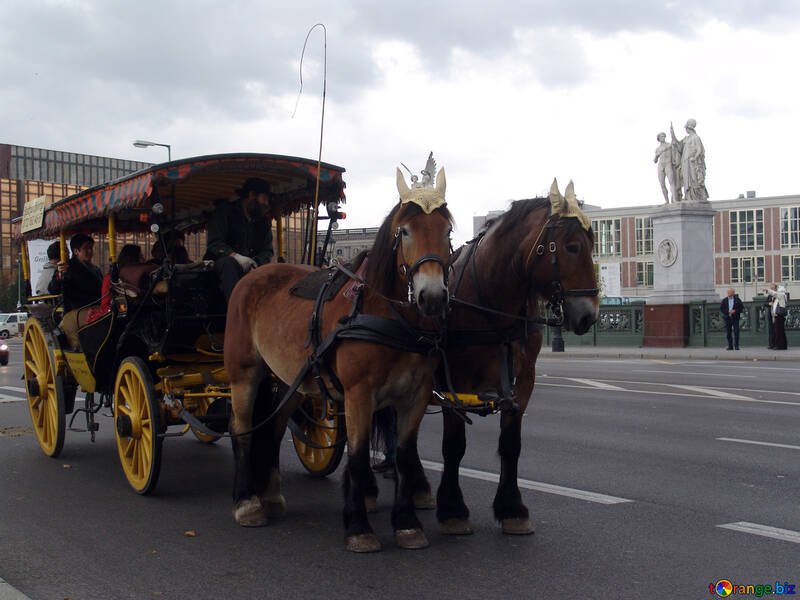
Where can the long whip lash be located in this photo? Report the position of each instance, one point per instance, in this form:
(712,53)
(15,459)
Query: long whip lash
(310,241)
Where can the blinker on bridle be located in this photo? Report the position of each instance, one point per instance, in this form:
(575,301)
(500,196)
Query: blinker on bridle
(557,298)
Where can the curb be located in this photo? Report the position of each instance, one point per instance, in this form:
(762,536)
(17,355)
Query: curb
(670,355)
(7,592)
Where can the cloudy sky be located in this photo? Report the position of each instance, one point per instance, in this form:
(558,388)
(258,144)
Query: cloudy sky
(508,94)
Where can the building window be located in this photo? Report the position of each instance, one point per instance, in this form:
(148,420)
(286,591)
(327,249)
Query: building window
(607,237)
(747,230)
(790,268)
(644,237)
(790,227)
(644,274)
(747,269)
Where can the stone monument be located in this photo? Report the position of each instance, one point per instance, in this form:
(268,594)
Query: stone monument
(683,269)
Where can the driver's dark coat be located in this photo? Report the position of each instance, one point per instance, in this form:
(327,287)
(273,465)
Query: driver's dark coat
(229,230)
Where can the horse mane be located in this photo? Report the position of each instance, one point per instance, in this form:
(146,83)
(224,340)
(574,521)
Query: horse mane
(519,211)
(381,269)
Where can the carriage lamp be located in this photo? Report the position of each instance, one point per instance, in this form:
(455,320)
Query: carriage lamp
(158,208)
(333,211)
(154,228)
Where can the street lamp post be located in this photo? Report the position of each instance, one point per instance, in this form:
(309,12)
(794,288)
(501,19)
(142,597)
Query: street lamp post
(145,144)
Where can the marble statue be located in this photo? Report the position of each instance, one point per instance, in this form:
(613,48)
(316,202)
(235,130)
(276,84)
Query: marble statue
(692,172)
(667,161)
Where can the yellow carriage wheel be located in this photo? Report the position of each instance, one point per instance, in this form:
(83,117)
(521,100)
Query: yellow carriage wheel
(137,416)
(45,394)
(202,409)
(323,428)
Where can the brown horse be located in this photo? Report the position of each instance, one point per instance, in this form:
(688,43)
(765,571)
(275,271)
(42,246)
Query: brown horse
(266,331)
(538,249)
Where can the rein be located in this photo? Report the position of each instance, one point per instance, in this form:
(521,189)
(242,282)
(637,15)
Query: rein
(504,337)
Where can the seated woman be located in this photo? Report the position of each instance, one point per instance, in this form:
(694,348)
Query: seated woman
(133,270)
(133,273)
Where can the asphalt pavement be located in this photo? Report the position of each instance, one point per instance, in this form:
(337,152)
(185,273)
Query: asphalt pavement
(636,473)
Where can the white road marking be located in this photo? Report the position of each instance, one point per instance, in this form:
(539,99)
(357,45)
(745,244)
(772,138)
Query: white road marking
(655,383)
(725,375)
(532,485)
(597,384)
(12,389)
(755,443)
(787,535)
(8,399)
(683,395)
(710,392)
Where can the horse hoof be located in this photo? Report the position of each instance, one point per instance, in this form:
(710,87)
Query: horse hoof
(411,539)
(366,542)
(424,501)
(371,503)
(518,526)
(250,513)
(457,527)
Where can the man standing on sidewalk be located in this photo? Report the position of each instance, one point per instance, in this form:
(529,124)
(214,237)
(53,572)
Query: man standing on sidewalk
(731,307)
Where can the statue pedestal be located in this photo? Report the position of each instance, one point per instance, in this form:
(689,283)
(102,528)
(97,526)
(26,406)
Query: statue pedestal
(683,271)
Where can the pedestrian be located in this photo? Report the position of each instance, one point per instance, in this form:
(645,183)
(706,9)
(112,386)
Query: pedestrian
(731,308)
(771,318)
(778,293)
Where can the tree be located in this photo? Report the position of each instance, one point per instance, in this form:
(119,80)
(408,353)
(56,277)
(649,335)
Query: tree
(9,293)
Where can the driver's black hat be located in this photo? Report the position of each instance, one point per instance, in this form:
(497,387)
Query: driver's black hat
(254,184)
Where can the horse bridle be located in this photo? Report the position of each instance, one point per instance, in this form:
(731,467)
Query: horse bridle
(409,272)
(538,249)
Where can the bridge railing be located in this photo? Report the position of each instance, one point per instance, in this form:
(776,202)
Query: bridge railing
(624,326)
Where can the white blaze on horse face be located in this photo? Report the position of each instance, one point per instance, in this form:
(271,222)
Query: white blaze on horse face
(430,292)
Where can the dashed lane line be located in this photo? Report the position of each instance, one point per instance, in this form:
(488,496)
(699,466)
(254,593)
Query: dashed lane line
(12,389)
(596,384)
(537,486)
(787,535)
(756,443)
(681,394)
(711,392)
(8,399)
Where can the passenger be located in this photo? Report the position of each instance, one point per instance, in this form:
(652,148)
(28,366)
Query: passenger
(133,270)
(80,282)
(175,249)
(49,269)
(240,234)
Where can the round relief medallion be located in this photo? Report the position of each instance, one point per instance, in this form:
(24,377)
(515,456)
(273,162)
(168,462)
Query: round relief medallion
(667,252)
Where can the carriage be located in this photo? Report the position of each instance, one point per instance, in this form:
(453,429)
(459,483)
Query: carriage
(155,359)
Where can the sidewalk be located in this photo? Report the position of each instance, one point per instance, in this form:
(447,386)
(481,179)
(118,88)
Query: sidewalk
(750,354)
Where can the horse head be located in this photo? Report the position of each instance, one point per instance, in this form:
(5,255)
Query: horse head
(566,241)
(413,245)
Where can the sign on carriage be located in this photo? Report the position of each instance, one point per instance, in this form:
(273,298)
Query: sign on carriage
(33,214)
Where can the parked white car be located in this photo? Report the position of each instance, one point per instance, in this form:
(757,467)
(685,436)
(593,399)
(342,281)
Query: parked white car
(12,324)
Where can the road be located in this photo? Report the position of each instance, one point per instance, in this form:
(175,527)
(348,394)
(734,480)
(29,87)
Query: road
(645,479)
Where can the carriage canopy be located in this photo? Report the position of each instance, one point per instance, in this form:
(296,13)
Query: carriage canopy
(188,189)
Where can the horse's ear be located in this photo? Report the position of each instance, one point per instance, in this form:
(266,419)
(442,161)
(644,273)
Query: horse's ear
(569,193)
(441,182)
(556,199)
(402,186)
